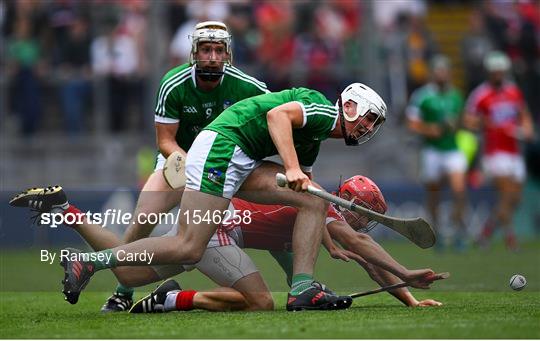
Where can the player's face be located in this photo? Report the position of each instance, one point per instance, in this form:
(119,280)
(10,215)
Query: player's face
(441,75)
(496,77)
(355,220)
(363,125)
(211,56)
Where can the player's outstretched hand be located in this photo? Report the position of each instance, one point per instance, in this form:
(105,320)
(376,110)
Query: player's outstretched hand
(417,278)
(428,303)
(298,180)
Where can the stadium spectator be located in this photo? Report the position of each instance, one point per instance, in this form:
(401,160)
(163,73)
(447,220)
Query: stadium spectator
(497,106)
(74,73)
(23,56)
(434,113)
(321,48)
(196,11)
(275,51)
(115,57)
(242,29)
(474,47)
(420,48)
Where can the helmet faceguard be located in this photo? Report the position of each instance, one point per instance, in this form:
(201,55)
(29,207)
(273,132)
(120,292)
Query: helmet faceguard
(209,32)
(370,113)
(364,192)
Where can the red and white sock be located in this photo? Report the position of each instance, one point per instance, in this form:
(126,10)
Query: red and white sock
(179,300)
(76,213)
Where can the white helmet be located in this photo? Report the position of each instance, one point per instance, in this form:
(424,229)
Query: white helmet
(367,101)
(210,31)
(496,61)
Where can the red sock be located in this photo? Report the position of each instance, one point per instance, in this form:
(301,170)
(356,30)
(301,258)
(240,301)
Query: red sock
(184,300)
(74,216)
(489,228)
(511,241)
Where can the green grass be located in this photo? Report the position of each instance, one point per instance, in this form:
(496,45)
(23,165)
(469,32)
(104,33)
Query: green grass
(477,302)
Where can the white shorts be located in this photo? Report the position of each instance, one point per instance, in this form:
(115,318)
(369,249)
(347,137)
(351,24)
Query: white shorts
(435,164)
(216,165)
(160,162)
(224,265)
(504,164)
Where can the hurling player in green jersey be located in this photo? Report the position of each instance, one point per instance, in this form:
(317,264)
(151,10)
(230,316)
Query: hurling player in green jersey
(434,113)
(226,159)
(190,96)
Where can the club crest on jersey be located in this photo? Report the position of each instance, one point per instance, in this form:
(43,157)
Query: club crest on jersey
(189,109)
(226,103)
(215,176)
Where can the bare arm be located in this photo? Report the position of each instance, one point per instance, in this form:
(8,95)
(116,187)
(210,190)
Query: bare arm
(472,122)
(380,266)
(166,139)
(281,122)
(366,247)
(337,252)
(527,125)
(429,130)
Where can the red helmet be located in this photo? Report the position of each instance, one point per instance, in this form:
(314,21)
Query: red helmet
(362,191)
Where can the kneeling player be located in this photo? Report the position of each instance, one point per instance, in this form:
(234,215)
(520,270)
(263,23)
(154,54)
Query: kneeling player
(270,228)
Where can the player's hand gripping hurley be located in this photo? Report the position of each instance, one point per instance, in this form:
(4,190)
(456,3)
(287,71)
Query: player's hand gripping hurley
(417,230)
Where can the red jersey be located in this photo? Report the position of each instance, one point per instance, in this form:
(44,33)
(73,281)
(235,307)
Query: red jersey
(271,226)
(499,109)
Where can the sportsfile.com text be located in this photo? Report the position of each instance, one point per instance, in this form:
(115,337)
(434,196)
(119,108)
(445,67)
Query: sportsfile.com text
(113,216)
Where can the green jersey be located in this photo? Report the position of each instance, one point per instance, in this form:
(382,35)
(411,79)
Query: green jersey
(180,101)
(430,105)
(245,123)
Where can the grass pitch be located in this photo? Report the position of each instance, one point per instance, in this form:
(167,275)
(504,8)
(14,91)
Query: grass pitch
(477,302)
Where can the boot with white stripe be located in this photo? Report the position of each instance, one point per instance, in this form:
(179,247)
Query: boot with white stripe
(116,303)
(155,301)
(42,200)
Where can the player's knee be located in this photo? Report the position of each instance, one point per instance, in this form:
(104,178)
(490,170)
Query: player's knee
(263,301)
(192,254)
(181,252)
(315,204)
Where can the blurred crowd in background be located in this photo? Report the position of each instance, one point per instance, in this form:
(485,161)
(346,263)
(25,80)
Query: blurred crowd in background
(67,61)
(78,78)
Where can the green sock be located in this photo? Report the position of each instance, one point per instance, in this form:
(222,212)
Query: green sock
(105,259)
(300,282)
(124,291)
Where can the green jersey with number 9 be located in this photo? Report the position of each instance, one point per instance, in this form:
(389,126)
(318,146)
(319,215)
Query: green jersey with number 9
(180,101)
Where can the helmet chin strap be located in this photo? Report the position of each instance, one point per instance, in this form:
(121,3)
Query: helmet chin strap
(349,141)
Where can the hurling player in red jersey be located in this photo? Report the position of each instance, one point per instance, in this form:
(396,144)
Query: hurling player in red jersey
(264,227)
(270,228)
(498,108)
